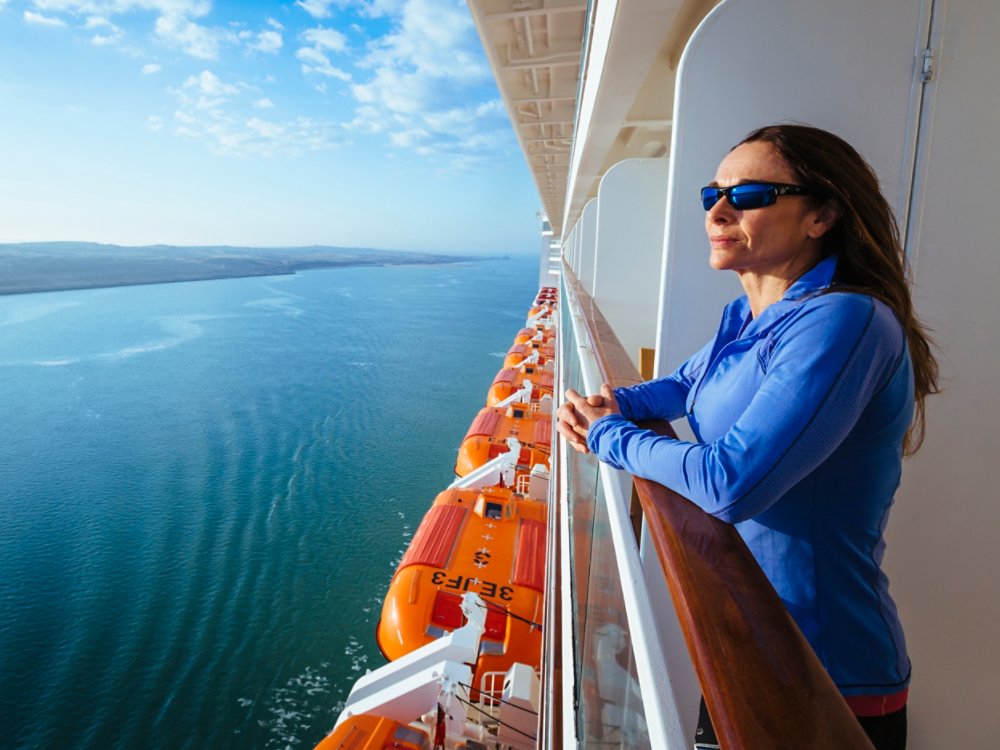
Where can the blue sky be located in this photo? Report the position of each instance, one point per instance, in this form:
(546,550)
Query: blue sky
(369,123)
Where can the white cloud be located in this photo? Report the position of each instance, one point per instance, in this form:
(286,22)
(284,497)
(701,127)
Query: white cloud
(209,84)
(326,39)
(109,33)
(428,61)
(378,8)
(434,40)
(230,135)
(154,123)
(314,61)
(39,20)
(175,23)
(453,119)
(266,41)
(187,8)
(406,138)
(364,94)
(198,41)
(370,8)
(205,92)
(316,8)
(265,128)
(404,84)
(367,120)
(221,114)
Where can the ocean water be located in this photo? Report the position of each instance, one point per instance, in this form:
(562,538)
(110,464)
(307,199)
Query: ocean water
(205,488)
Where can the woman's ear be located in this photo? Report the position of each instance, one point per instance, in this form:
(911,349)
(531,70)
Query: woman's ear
(826,216)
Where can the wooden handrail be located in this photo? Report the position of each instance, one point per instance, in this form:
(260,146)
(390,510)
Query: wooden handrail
(763,684)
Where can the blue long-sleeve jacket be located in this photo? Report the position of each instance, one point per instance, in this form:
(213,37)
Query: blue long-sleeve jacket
(800,416)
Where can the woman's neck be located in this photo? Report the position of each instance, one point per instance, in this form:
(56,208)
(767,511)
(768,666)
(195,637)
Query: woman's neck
(762,292)
(764,289)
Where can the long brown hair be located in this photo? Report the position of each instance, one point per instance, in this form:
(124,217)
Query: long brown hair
(865,239)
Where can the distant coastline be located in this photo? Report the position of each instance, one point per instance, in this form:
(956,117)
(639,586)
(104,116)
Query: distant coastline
(27,268)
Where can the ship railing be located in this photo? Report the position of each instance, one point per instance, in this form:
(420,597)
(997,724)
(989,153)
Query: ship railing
(665,603)
(490,689)
(522,484)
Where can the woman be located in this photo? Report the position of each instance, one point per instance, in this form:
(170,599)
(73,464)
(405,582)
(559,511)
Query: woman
(803,404)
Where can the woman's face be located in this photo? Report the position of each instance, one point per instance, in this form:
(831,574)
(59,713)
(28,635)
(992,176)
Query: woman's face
(780,240)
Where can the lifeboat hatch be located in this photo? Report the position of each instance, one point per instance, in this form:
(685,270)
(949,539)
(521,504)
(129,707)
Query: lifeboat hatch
(407,737)
(491,509)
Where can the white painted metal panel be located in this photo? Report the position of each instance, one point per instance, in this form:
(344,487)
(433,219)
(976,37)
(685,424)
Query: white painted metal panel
(569,250)
(577,247)
(586,229)
(943,554)
(630,206)
(600,38)
(626,39)
(846,66)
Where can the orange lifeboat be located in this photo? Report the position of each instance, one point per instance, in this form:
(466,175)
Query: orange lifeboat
(367,732)
(488,541)
(488,434)
(541,329)
(531,353)
(541,311)
(511,379)
(525,335)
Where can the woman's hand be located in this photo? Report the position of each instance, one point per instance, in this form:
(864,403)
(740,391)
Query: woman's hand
(578,413)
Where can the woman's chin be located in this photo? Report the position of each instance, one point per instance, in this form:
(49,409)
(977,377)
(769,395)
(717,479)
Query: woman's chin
(720,261)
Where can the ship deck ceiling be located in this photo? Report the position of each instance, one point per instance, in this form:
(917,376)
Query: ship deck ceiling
(570,136)
(534,48)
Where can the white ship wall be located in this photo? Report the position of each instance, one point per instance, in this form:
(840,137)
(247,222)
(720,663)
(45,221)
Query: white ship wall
(944,537)
(629,236)
(853,67)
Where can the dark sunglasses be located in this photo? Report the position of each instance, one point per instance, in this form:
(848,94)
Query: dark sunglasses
(749,194)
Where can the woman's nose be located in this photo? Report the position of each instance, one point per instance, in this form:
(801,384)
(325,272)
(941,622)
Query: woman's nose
(721,212)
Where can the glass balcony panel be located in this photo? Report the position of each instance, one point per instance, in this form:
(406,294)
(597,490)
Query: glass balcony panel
(572,375)
(609,685)
(583,474)
(609,701)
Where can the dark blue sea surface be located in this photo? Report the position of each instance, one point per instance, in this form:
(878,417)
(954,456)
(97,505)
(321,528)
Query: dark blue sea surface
(205,488)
